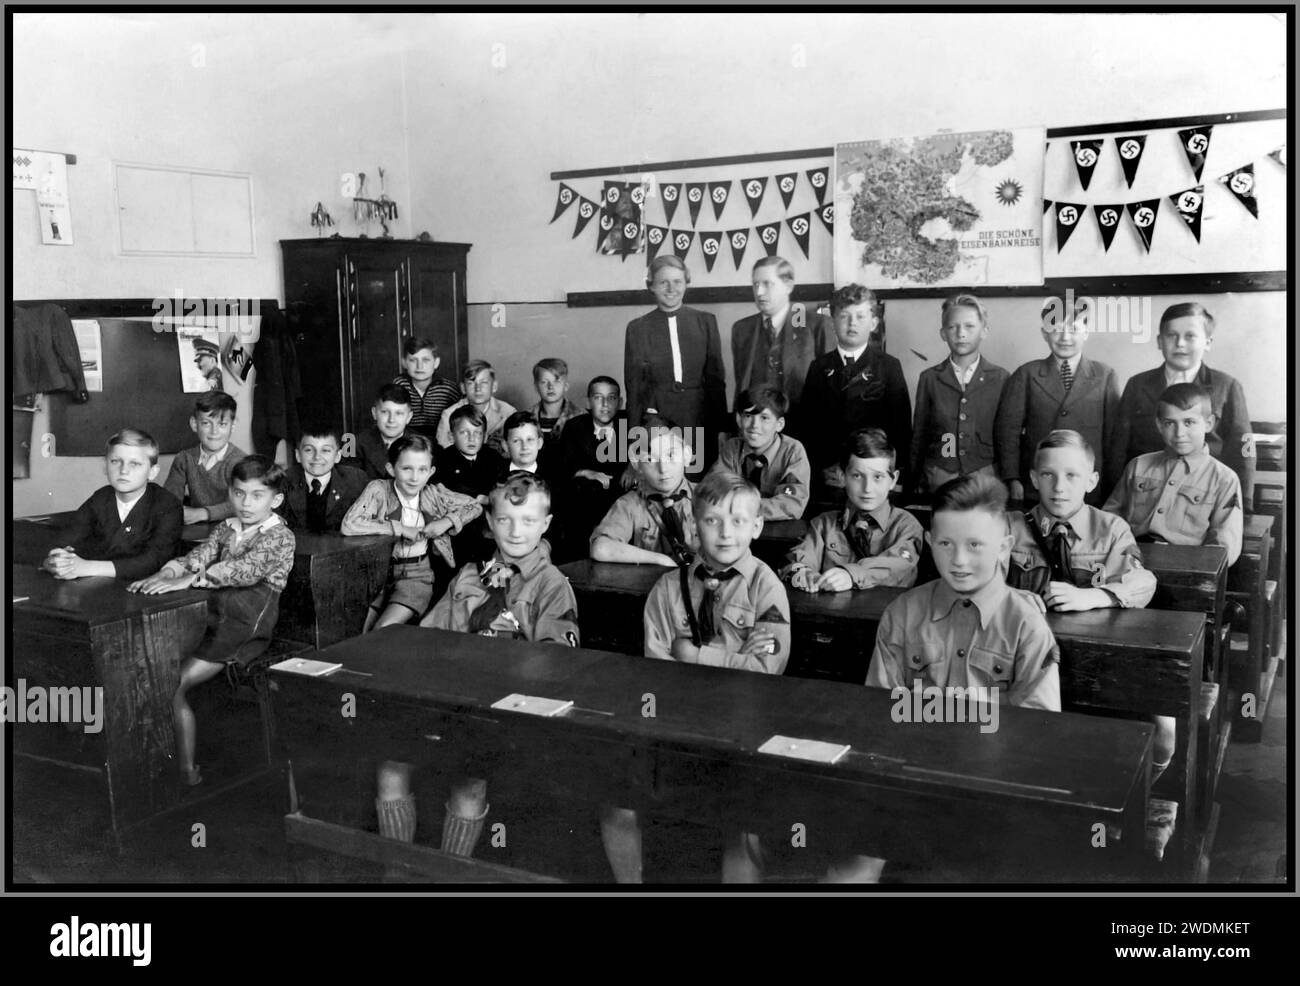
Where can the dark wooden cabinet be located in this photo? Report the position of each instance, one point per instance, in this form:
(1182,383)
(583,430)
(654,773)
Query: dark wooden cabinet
(352,301)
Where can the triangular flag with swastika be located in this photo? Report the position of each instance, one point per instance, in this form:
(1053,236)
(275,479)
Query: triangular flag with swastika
(1144,216)
(1241,183)
(754,189)
(785,185)
(1086,153)
(800,227)
(827,212)
(1107,222)
(739,240)
(613,195)
(1189,203)
(819,177)
(1067,218)
(1279,155)
(710,244)
(607,223)
(671,194)
(769,234)
(718,193)
(1196,144)
(1047,204)
(682,242)
(586,209)
(694,199)
(1130,150)
(566,197)
(631,238)
(654,239)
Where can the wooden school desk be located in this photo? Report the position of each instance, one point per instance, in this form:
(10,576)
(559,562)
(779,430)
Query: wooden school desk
(930,791)
(1127,661)
(92,632)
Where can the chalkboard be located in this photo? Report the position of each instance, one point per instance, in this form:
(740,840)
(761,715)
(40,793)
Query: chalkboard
(142,389)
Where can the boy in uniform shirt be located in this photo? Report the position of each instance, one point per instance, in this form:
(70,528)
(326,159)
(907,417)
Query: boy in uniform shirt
(479,384)
(1182,494)
(775,464)
(200,476)
(1064,389)
(429,395)
(869,542)
(246,562)
(391,413)
(517,594)
(127,529)
(553,409)
(654,523)
(727,609)
(321,489)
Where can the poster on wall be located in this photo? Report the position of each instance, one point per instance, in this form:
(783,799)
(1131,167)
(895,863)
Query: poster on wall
(945,210)
(90,344)
(200,355)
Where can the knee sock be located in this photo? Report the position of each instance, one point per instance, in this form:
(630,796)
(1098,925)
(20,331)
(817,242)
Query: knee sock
(397,818)
(460,834)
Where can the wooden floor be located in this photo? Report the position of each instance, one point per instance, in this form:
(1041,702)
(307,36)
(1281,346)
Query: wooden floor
(59,836)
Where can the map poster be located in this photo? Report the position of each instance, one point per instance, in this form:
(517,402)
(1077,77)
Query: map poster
(948,210)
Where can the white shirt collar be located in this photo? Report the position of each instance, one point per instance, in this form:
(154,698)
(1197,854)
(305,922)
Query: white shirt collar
(967,375)
(323,480)
(515,468)
(778,320)
(242,532)
(851,355)
(124,507)
(1181,376)
(1073,361)
(209,459)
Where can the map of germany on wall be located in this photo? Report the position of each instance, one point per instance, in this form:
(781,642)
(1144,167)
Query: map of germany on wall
(945,210)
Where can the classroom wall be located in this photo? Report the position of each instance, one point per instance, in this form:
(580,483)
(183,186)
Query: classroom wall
(469,114)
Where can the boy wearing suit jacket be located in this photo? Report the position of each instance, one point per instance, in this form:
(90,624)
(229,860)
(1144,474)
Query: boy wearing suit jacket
(777,345)
(1064,390)
(127,529)
(321,488)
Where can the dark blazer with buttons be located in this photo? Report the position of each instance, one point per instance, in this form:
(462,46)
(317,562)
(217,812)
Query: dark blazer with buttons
(1136,432)
(346,484)
(701,399)
(838,400)
(138,546)
(943,409)
(1035,402)
(803,344)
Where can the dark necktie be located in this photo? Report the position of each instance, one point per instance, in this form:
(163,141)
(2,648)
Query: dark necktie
(770,331)
(860,528)
(1059,543)
(670,524)
(1067,375)
(753,467)
(775,368)
(316,507)
(708,603)
(494,576)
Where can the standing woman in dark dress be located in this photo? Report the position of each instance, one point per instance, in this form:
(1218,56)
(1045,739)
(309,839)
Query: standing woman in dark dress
(672,363)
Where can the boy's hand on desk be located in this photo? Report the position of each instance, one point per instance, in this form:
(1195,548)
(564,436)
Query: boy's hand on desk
(155,585)
(58,561)
(1066,598)
(595,477)
(803,578)
(195,515)
(836,580)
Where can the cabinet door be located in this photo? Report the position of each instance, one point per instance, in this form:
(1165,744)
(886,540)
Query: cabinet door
(374,337)
(315,296)
(435,312)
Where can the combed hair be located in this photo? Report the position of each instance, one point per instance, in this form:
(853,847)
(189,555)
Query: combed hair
(215,402)
(1187,396)
(412,441)
(474,367)
(964,301)
(717,487)
(467,412)
(262,469)
(517,487)
(605,380)
(413,344)
(393,393)
(666,260)
(552,364)
(868,443)
(135,438)
(518,420)
(853,294)
(978,491)
(1065,438)
(763,397)
(1189,309)
(784,269)
(321,429)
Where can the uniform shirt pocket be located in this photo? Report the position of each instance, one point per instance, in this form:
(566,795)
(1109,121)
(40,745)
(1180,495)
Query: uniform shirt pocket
(1193,504)
(989,668)
(922,666)
(739,617)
